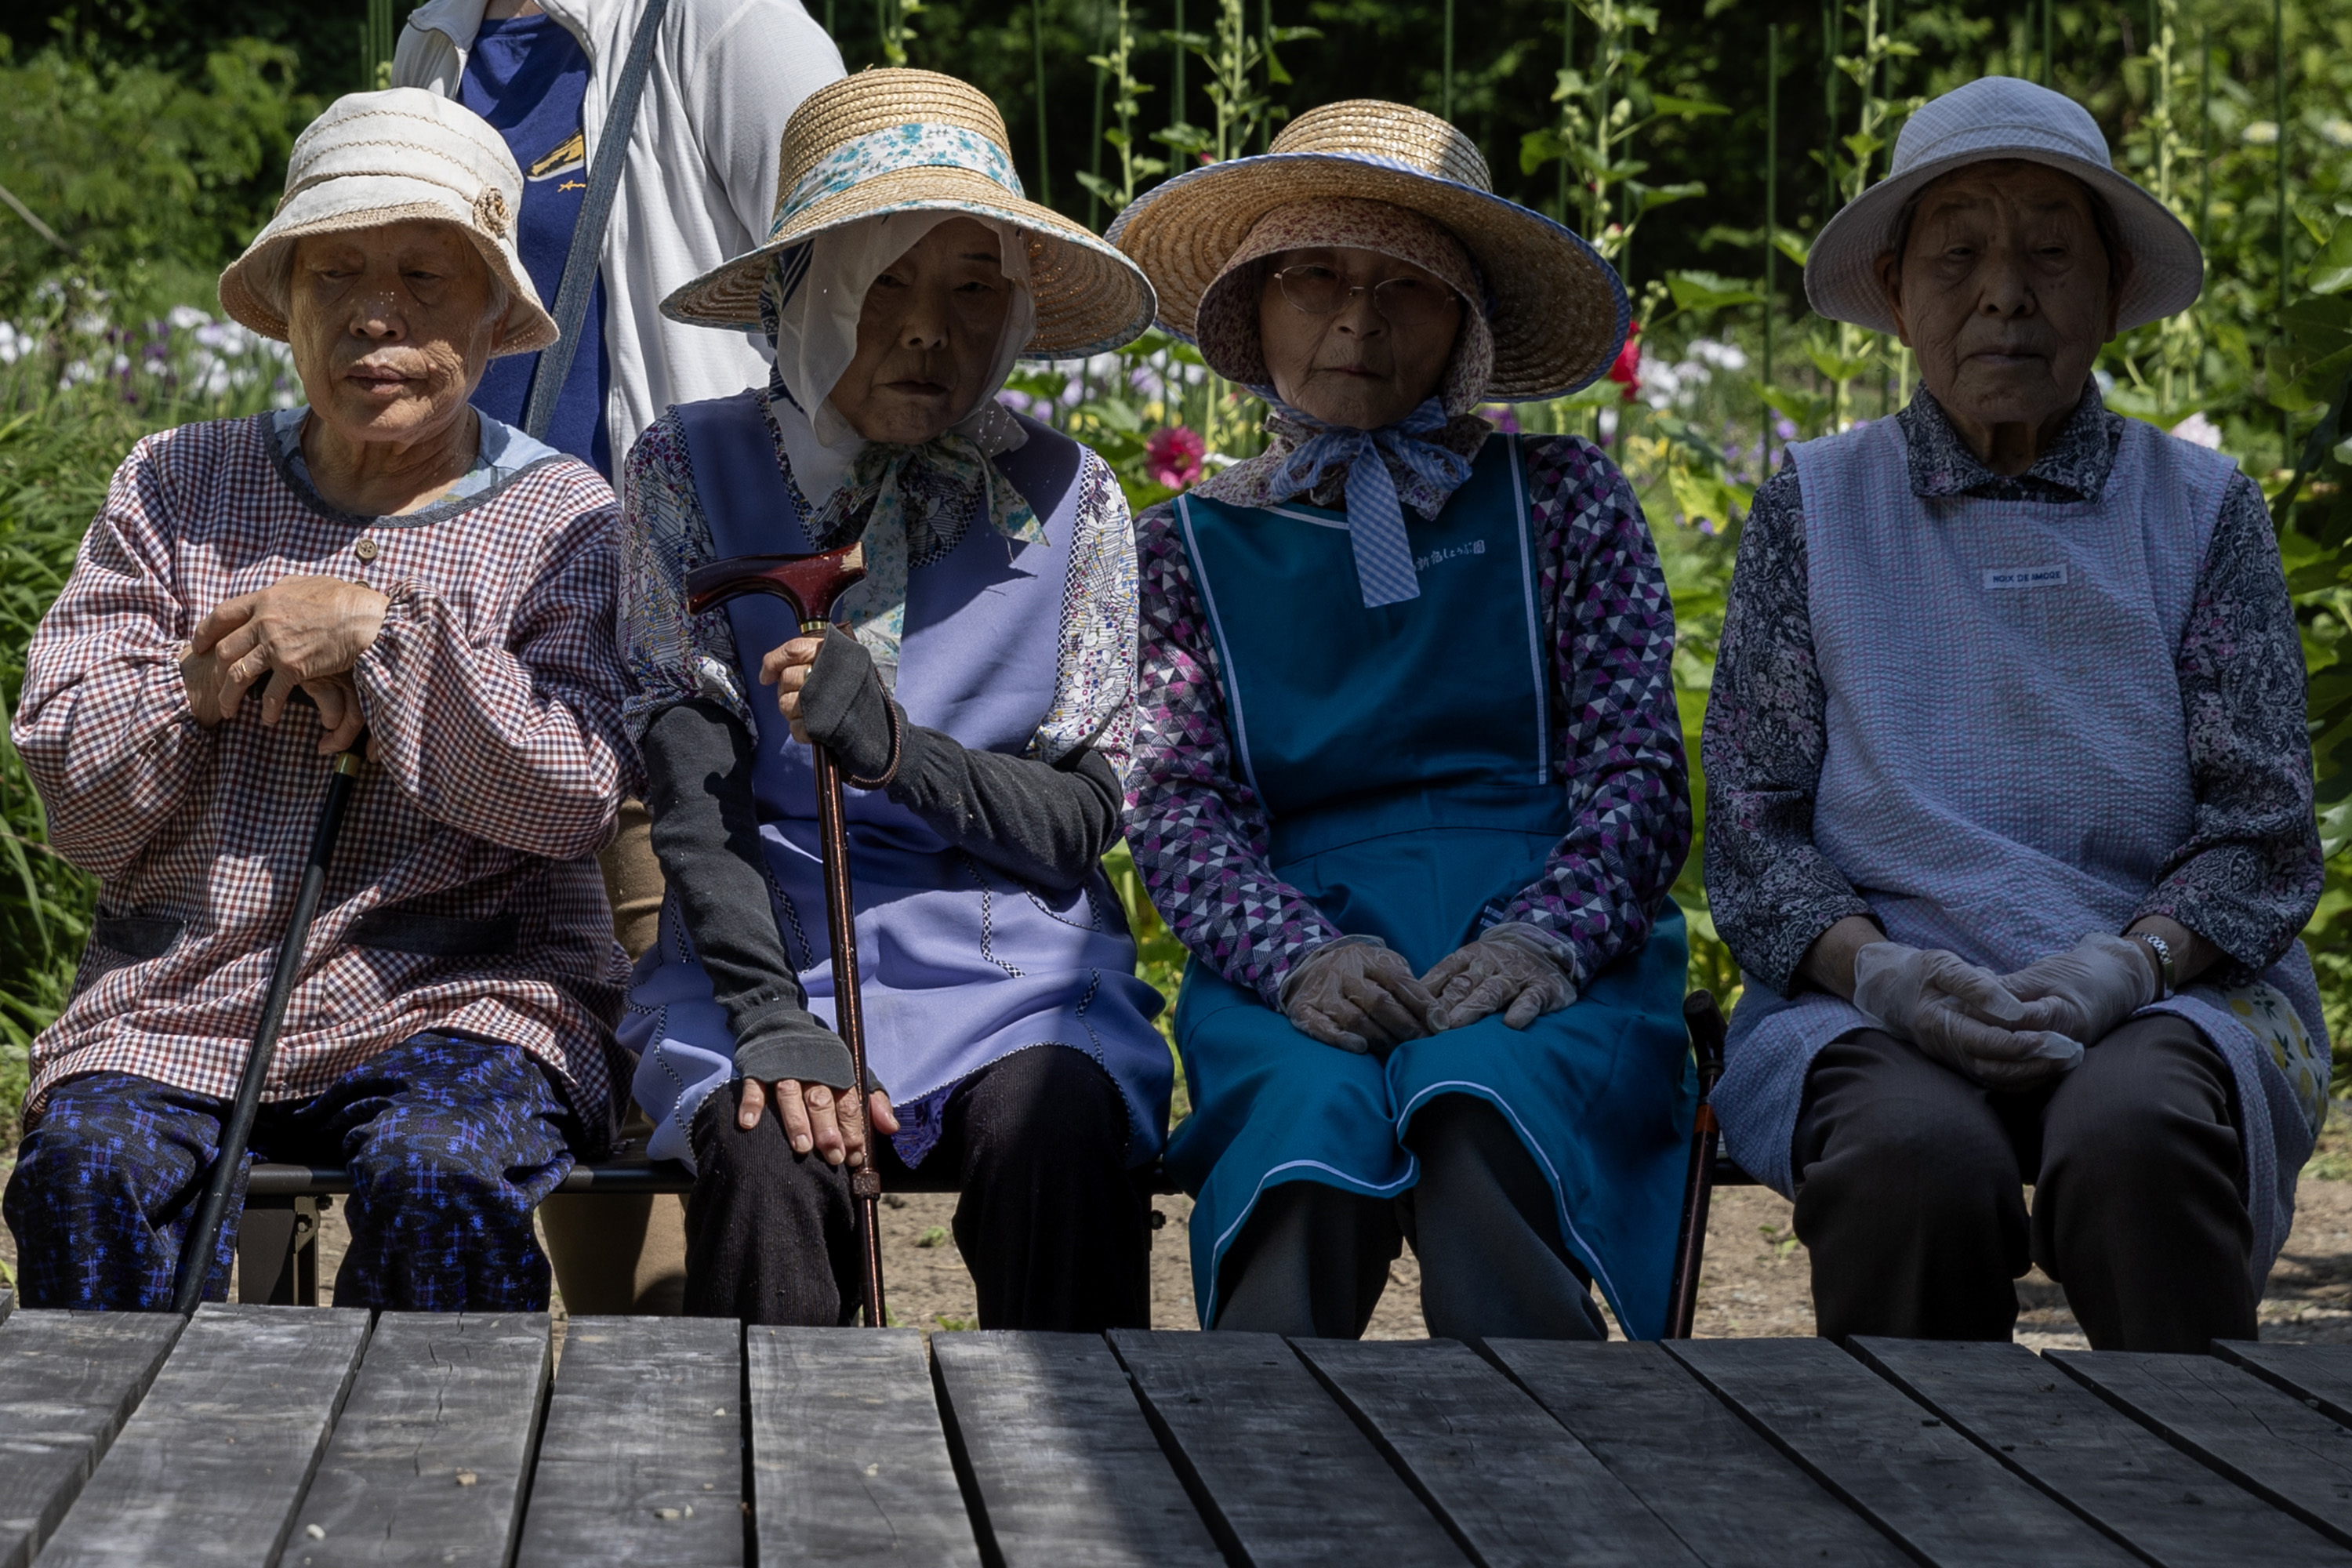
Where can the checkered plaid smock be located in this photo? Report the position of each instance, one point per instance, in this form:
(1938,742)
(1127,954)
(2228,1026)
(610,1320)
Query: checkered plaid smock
(493,695)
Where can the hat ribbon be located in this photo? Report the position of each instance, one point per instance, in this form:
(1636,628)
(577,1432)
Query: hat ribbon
(919,145)
(1376,533)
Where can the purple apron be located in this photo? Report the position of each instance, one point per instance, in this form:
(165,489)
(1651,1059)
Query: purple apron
(961,965)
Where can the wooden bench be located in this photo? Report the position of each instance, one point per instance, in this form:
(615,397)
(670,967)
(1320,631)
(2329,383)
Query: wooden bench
(277,1257)
(320,1438)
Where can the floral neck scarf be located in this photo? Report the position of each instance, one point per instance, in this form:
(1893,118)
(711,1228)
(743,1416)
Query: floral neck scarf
(1376,531)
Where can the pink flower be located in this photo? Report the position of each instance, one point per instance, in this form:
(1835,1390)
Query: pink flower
(1627,372)
(1173,457)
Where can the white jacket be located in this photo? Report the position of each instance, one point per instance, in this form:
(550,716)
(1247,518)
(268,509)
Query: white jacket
(700,183)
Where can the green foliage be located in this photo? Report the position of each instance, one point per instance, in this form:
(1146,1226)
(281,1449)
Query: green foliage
(149,180)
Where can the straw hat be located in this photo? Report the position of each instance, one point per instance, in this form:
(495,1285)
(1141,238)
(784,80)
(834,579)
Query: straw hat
(1999,117)
(887,141)
(386,157)
(1557,309)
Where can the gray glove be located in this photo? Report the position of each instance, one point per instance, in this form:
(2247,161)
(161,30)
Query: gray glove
(1959,1014)
(1358,996)
(2085,992)
(1503,971)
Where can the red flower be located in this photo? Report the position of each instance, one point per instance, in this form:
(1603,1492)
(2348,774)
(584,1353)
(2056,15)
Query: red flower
(1627,372)
(1173,457)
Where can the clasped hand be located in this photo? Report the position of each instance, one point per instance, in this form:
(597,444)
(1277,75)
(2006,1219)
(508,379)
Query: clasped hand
(2011,1031)
(302,633)
(1361,997)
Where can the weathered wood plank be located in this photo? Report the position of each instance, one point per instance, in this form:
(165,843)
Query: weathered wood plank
(1281,1472)
(431,1456)
(1691,1458)
(2266,1440)
(68,1382)
(641,1464)
(849,1463)
(1068,1471)
(2319,1375)
(210,1466)
(1507,1478)
(2106,1465)
(1952,1502)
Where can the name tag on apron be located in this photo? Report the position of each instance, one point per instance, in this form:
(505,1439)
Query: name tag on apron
(2026,577)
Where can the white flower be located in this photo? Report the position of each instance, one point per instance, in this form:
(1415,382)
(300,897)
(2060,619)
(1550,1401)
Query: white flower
(187,318)
(1721,356)
(14,345)
(2338,130)
(2201,431)
(2261,133)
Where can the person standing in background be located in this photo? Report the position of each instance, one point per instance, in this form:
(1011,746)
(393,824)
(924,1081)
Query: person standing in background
(697,186)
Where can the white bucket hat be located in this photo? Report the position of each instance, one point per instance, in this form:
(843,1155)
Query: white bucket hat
(1999,117)
(376,158)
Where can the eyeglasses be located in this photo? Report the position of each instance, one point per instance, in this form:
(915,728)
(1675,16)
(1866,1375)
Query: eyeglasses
(1407,302)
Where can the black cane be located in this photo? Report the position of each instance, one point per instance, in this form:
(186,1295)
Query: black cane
(203,1231)
(1704,1020)
(810,584)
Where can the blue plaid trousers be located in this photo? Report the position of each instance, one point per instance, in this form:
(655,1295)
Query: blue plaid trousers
(451,1142)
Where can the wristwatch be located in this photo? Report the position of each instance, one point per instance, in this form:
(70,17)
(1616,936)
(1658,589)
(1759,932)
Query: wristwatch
(2163,951)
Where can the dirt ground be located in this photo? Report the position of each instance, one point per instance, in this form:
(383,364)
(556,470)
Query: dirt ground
(1756,1282)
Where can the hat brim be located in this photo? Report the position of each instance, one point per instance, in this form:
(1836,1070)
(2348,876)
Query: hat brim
(1559,312)
(361,202)
(1842,269)
(1089,299)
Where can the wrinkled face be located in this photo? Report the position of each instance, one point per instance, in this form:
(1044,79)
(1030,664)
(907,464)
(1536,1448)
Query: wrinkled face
(391,327)
(2005,292)
(927,337)
(1374,359)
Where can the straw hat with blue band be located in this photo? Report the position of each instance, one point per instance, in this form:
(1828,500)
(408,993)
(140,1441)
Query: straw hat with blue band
(1557,309)
(884,141)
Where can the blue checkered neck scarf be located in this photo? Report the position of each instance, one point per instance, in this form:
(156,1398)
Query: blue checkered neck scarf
(1384,569)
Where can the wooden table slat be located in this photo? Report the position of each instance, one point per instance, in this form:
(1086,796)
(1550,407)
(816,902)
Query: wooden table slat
(849,1460)
(2260,1437)
(2319,1375)
(641,1462)
(68,1382)
(430,1460)
(1063,1457)
(1924,1483)
(2106,1465)
(1508,1478)
(1691,1458)
(210,1466)
(1284,1473)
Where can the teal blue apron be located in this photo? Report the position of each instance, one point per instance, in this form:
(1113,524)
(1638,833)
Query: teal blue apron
(1404,756)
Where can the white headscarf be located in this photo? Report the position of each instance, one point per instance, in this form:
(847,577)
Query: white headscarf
(811,304)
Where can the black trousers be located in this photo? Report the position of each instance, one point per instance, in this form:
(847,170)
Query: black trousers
(1909,1192)
(1051,1222)
(1314,1260)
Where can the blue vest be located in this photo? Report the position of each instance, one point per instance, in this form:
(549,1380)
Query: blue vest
(1403,754)
(961,964)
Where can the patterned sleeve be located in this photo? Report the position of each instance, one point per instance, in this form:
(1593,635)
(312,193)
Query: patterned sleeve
(1619,748)
(1771,892)
(1094,695)
(102,722)
(517,741)
(2250,875)
(1198,833)
(669,655)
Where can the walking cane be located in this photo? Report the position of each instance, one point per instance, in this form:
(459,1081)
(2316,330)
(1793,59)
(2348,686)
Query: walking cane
(203,1231)
(810,584)
(1705,1021)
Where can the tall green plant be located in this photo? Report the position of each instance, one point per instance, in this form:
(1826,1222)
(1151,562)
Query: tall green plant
(1127,95)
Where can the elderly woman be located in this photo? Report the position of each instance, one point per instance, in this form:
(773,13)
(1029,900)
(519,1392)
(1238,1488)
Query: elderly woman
(1409,778)
(429,578)
(979,703)
(2010,819)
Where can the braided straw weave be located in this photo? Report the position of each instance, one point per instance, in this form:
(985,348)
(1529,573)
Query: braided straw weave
(1559,309)
(1089,298)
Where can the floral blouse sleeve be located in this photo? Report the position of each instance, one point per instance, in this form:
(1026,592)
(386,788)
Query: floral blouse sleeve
(2251,874)
(1618,736)
(1199,834)
(1770,890)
